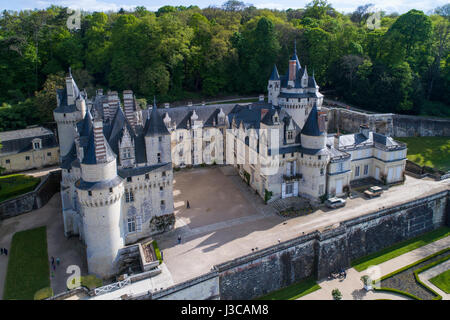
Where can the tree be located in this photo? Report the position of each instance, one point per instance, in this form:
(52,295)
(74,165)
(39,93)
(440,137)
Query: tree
(361,13)
(45,99)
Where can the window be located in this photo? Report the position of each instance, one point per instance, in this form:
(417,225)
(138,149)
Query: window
(110,189)
(129,179)
(159,157)
(357,171)
(366,169)
(159,139)
(340,166)
(49,154)
(319,157)
(321,171)
(163,204)
(37,145)
(132,224)
(290,135)
(89,193)
(147,176)
(289,188)
(161,188)
(163,174)
(129,196)
(302,155)
(8,161)
(27,158)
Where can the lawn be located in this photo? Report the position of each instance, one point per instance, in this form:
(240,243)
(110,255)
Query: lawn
(400,248)
(442,281)
(16,184)
(28,266)
(429,151)
(294,291)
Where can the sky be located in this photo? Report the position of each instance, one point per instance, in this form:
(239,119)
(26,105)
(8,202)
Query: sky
(400,6)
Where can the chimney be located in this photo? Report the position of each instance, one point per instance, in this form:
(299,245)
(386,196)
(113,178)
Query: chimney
(190,104)
(292,69)
(129,107)
(166,105)
(336,141)
(99,141)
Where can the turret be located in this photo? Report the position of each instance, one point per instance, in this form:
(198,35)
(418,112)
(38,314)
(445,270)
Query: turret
(313,135)
(99,191)
(157,138)
(273,88)
(70,109)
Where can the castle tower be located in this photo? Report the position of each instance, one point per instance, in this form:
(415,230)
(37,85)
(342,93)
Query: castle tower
(314,158)
(273,88)
(99,191)
(71,108)
(157,139)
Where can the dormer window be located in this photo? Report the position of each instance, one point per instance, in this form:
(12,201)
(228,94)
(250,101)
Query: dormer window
(37,144)
(290,135)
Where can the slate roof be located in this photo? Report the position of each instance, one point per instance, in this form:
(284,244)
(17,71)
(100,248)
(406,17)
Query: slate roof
(89,151)
(18,141)
(155,125)
(63,106)
(359,140)
(311,127)
(137,171)
(275,75)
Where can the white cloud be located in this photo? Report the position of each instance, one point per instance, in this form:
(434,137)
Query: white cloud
(91,5)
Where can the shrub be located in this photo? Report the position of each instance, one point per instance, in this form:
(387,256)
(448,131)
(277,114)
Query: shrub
(337,295)
(157,251)
(43,293)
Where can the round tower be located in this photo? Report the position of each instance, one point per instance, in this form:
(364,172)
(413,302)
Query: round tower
(273,87)
(100,190)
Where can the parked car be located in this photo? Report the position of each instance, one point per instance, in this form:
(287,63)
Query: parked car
(335,202)
(374,191)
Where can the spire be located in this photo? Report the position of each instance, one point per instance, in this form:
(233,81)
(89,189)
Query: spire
(70,72)
(155,123)
(275,75)
(311,127)
(295,46)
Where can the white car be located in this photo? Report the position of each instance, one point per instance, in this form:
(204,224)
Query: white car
(335,202)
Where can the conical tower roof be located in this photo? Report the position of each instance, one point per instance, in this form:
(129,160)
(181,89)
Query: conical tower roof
(311,127)
(275,75)
(155,125)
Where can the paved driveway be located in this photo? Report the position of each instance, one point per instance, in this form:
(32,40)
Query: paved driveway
(70,251)
(219,237)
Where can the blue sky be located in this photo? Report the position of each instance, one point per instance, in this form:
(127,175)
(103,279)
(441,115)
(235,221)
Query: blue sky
(400,6)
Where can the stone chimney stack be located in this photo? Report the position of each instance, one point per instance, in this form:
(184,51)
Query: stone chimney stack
(113,104)
(99,140)
(292,70)
(129,107)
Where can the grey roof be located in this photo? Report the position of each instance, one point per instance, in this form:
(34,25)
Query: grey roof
(85,185)
(155,125)
(137,171)
(299,95)
(275,75)
(63,106)
(89,151)
(360,140)
(17,141)
(311,127)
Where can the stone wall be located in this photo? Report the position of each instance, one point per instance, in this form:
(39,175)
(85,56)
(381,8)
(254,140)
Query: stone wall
(205,287)
(320,253)
(395,125)
(313,255)
(32,200)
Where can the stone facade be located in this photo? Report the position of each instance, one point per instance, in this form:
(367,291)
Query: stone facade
(116,173)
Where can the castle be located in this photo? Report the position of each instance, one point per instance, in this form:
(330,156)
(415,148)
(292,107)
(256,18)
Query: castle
(117,160)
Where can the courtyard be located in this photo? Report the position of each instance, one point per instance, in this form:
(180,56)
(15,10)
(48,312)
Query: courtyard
(228,220)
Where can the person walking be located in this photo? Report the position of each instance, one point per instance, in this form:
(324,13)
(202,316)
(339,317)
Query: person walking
(57,261)
(187,204)
(53,260)
(179,239)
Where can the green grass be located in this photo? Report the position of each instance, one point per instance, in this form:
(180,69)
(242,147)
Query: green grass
(89,281)
(442,281)
(28,266)
(400,248)
(157,251)
(16,184)
(429,151)
(294,291)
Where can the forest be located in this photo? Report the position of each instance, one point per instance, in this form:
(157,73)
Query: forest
(399,64)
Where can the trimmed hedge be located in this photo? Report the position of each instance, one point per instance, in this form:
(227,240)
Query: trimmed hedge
(404,293)
(416,272)
(157,251)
